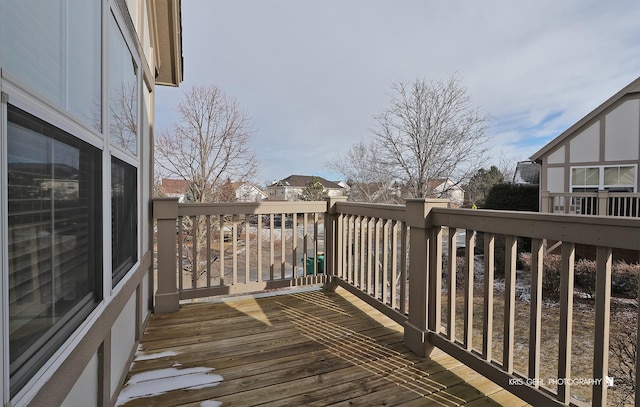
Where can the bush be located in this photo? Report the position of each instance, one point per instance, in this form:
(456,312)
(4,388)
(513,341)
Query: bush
(624,276)
(499,244)
(513,197)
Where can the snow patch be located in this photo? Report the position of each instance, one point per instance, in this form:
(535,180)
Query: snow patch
(210,403)
(157,382)
(149,356)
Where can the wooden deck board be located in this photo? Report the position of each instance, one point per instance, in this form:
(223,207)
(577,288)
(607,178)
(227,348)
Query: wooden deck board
(305,348)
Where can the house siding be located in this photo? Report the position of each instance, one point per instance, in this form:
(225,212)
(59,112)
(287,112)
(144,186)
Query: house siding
(89,366)
(608,136)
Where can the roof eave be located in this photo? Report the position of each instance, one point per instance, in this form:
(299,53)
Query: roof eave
(633,87)
(169,63)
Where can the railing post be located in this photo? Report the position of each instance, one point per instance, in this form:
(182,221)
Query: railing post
(415,329)
(603,203)
(165,211)
(546,205)
(332,241)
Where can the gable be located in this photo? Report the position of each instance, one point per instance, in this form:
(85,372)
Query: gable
(619,111)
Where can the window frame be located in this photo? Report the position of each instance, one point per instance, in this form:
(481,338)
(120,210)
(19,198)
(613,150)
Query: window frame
(601,186)
(63,331)
(119,271)
(113,150)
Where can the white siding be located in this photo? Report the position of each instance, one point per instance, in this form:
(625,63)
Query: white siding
(557,157)
(84,392)
(555,179)
(622,132)
(123,339)
(585,147)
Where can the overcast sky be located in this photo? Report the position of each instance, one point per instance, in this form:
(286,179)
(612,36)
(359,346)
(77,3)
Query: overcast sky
(312,74)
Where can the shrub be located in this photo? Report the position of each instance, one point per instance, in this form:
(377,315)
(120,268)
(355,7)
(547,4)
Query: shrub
(514,197)
(624,276)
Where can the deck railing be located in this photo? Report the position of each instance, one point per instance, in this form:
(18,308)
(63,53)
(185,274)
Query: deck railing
(603,203)
(205,250)
(396,258)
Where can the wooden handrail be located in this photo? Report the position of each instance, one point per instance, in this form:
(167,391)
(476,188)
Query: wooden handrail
(372,250)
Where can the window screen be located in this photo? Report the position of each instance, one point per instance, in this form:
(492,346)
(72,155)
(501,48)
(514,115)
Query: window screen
(54,239)
(124,218)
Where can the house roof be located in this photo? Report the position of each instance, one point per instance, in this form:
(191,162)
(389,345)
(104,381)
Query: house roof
(633,87)
(434,183)
(303,180)
(174,186)
(527,172)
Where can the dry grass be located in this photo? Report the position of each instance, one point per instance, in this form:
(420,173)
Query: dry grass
(623,316)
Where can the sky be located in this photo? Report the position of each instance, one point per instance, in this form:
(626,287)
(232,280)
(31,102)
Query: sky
(312,75)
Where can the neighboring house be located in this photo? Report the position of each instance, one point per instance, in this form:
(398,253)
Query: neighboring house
(248,192)
(592,167)
(527,172)
(174,188)
(376,192)
(346,187)
(78,80)
(446,188)
(291,188)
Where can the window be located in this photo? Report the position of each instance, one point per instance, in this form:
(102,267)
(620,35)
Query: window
(54,239)
(621,179)
(58,52)
(123,92)
(124,219)
(609,178)
(585,178)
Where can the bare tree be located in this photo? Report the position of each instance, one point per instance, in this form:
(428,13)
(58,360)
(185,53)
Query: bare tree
(430,131)
(209,145)
(368,183)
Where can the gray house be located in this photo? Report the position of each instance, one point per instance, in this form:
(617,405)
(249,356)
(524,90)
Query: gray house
(592,167)
(291,188)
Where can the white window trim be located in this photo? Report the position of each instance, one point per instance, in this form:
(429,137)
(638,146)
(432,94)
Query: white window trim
(117,151)
(37,108)
(113,11)
(601,186)
(4,255)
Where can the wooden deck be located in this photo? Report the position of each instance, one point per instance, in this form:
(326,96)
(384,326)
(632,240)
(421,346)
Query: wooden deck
(303,348)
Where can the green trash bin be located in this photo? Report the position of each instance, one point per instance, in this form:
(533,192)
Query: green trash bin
(310,260)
